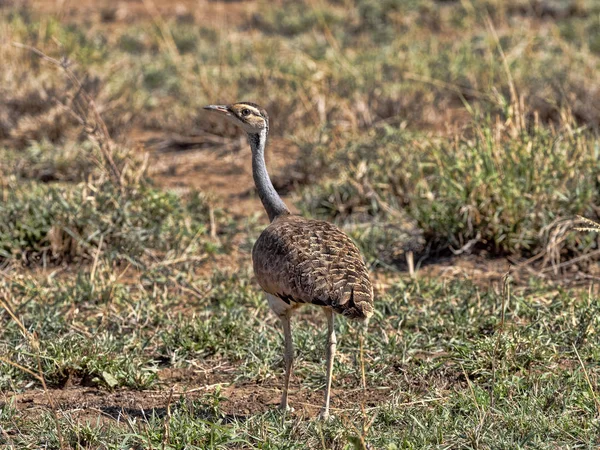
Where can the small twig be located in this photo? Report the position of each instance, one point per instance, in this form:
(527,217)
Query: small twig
(505,301)
(203,388)
(362,435)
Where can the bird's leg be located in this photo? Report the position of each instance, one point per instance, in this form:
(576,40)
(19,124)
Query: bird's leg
(331,343)
(410,261)
(288,357)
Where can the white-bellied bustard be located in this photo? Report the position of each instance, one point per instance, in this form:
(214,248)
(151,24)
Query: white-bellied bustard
(298,260)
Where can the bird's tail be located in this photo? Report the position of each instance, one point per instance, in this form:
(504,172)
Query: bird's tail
(359,306)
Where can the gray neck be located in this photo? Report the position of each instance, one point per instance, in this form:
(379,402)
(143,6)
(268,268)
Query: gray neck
(267,193)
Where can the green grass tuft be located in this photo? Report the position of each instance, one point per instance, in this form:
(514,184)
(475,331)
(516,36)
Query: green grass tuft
(503,190)
(52,223)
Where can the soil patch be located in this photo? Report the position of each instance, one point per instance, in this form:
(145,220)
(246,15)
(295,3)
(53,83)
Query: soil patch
(239,399)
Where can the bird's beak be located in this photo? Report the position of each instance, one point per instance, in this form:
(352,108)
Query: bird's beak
(222,109)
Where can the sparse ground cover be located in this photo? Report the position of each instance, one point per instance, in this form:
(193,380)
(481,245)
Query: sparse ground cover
(443,366)
(435,127)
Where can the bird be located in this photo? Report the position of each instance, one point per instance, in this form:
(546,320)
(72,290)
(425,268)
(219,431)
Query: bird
(300,261)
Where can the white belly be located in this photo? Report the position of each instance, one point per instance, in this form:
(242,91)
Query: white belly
(279,307)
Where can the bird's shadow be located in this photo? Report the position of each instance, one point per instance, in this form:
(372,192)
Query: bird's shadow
(208,414)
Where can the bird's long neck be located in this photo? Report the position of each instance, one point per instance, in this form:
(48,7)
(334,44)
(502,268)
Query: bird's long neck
(267,193)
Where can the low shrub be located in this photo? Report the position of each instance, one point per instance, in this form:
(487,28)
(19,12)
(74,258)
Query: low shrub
(492,185)
(55,223)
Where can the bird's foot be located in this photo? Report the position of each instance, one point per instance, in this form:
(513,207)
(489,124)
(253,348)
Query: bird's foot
(324,415)
(286,408)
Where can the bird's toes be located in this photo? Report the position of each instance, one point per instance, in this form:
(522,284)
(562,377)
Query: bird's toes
(324,415)
(286,408)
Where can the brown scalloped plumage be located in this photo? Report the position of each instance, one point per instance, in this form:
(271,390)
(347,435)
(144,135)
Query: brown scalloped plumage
(311,261)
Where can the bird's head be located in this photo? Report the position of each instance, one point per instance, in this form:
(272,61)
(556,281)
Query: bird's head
(249,116)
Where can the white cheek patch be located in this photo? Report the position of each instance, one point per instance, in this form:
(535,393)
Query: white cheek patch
(257,121)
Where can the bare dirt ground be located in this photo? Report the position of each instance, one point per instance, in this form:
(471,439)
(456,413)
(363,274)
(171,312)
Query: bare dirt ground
(225,174)
(239,399)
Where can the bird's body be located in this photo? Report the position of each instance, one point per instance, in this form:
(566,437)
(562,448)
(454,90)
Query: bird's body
(297,260)
(300,260)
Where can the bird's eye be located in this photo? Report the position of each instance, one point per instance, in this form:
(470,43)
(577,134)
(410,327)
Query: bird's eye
(245,112)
